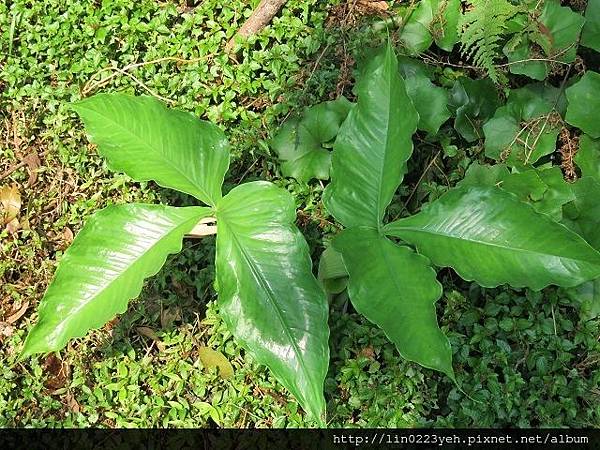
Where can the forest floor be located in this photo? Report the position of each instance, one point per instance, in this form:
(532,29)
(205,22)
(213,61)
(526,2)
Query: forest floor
(143,369)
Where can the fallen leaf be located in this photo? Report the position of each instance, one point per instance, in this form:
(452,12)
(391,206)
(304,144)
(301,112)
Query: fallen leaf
(17,315)
(147,332)
(72,403)
(58,373)
(214,358)
(169,315)
(68,235)
(13,226)
(6,331)
(33,163)
(10,199)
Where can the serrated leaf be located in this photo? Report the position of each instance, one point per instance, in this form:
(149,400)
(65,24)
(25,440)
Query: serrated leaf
(587,157)
(299,142)
(429,100)
(143,138)
(268,296)
(590,36)
(213,358)
(583,97)
(472,102)
(373,145)
(489,236)
(105,267)
(397,290)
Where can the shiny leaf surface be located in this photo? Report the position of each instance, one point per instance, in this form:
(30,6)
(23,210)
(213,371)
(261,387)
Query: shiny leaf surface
(143,138)
(105,267)
(373,145)
(268,295)
(590,36)
(472,102)
(397,290)
(489,236)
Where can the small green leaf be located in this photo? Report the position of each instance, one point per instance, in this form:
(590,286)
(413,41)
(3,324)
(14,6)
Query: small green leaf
(415,34)
(472,102)
(588,297)
(429,100)
(582,215)
(373,145)
(590,36)
(143,138)
(213,358)
(587,157)
(583,97)
(268,296)
(300,141)
(105,267)
(489,236)
(444,26)
(332,272)
(397,290)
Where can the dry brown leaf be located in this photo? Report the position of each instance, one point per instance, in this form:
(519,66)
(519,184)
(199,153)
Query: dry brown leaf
(169,315)
(13,226)
(10,199)
(67,235)
(58,373)
(17,315)
(72,403)
(6,331)
(33,163)
(214,358)
(147,332)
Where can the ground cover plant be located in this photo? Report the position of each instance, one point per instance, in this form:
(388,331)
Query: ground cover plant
(542,347)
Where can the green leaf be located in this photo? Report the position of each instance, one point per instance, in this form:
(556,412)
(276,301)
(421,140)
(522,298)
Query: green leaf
(489,236)
(105,267)
(588,297)
(429,100)
(373,145)
(472,102)
(213,358)
(332,273)
(524,130)
(415,34)
(522,62)
(583,97)
(582,215)
(484,175)
(587,157)
(444,26)
(562,29)
(590,36)
(143,138)
(268,295)
(396,289)
(300,141)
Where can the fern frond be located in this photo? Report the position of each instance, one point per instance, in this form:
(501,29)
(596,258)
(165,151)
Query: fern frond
(482,30)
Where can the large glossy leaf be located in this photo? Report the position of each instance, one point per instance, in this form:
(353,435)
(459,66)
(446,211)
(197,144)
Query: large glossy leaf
(590,36)
(489,236)
(300,143)
(105,267)
(396,289)
(143,138)
(373,145)
(583,97)
(268,295)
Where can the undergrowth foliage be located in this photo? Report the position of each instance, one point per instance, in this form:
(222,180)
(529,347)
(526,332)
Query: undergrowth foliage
(517,210)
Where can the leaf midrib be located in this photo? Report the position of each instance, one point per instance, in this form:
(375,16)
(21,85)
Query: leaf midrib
(271,298)
(159,153)
(488,244)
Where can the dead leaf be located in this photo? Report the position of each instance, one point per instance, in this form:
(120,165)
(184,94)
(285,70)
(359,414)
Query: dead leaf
(169,315)
(13,226)
(33,163)
(10,199)
(58,373)
(72,403)
(67,235)
(147,332)
(17,315)
(214,358)
(6,331)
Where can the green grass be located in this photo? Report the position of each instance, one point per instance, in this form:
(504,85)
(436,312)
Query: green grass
(523,358)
